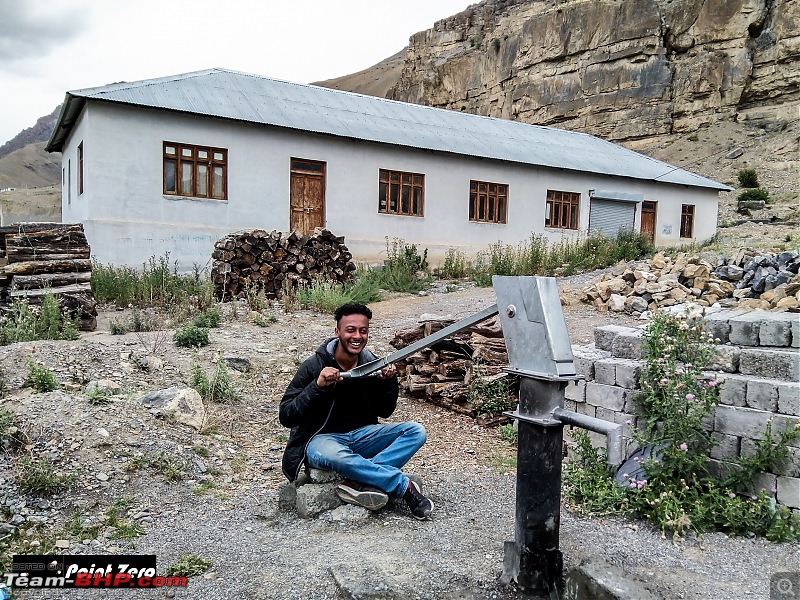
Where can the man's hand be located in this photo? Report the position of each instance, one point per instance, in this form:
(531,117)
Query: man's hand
(328,376)
(387,372)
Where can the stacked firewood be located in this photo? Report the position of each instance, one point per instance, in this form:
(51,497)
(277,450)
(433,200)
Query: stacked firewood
(42,258)
(445,373)
(271,261)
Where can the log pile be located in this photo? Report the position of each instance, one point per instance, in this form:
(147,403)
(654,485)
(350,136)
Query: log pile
(444,373)
(269,261)
(41,258)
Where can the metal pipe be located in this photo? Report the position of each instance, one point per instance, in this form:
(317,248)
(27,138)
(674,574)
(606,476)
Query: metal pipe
(612,431)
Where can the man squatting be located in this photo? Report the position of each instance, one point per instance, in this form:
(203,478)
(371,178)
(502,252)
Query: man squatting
(334,421)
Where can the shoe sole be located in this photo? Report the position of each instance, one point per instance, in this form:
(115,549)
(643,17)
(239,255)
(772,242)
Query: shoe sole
(371,500)
(428,516)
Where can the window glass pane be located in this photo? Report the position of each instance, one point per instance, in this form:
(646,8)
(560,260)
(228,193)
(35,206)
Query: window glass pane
(501,216)
(418,179)
(219,156)
(472,206)
(491,209)
(202,154)
(187,188)
(202,180)
(405,208)
(556,214)
(548,210)
(169,150)
(417,207)
(481,208)
(217,188)
(169,176)
(574,218)
(186,151)
(394,195)
(382,189)
(395,176)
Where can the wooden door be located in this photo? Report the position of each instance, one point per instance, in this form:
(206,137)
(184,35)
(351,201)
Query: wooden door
(648,227)
(307,195)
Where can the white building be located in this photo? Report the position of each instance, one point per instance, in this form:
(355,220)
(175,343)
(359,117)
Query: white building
(173,164)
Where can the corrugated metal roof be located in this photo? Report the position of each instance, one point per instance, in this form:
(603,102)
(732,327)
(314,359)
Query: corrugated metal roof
(252,98)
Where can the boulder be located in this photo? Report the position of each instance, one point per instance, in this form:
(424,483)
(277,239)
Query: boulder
(183,404)
(616,303)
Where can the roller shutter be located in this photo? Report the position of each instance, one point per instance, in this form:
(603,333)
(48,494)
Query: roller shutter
(608,216)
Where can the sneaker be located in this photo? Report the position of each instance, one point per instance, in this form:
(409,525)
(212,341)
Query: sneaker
(359,494)
(420,506)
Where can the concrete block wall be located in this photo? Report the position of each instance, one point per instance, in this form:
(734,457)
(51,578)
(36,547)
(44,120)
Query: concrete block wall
(759,369)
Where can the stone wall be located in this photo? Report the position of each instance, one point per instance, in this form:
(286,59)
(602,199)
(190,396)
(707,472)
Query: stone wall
(758,363)
(619,70)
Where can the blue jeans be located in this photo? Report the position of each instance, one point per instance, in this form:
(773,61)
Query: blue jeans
(372,455)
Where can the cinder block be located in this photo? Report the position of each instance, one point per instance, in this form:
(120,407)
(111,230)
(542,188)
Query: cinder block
(718,324)
(763,394)
(571,405)
(316,498)
(726,446)
(586,409)
(726,359)
(776,330)
(733,390)
(627,373)
(745,329)
(773,364)
(741,422)
(789,398)
(796,331)
(784,423)
(575,391)
(789,491)
(766,482)
(606,414)
(628,345)
(585,357)
(607,396)
(605,371)
(604,336)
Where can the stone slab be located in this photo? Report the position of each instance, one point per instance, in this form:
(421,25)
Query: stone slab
(726,447)
(605,371)
(726,359)
(776,330)
(789,398)
(741,422)
(789,491)
(575,391)
(733,390)
(628,344)
(763,394)
(607,396)
(627,373)
(745,328)
(604,336)
(595,579)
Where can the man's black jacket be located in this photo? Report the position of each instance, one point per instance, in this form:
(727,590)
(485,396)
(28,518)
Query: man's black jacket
(347,405)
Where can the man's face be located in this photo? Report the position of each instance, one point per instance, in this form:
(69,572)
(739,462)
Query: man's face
(353,332)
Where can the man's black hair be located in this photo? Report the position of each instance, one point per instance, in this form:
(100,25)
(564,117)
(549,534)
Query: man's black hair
(351,308)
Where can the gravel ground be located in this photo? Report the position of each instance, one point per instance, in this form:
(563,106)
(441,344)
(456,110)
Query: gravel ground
(260,552)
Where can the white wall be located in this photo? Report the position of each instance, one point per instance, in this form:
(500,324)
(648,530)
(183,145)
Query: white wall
(128,219)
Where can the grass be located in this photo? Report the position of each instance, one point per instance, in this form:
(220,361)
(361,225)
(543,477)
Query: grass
(189,565)
(24,323)
(40,378)
(39,477)
(170,468)
(218,388)
(158,283)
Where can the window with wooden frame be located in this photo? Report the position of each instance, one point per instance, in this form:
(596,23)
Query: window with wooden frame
(401,193)
(687,220)
(80,168)
(195,171)
(562,210)
(488,202)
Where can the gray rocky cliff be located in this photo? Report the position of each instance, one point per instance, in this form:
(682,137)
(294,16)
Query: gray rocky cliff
(619,69)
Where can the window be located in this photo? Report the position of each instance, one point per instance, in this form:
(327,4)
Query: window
(487,202)
(562,210)
(687,220)
(401,193)
(80,168)
(195,171)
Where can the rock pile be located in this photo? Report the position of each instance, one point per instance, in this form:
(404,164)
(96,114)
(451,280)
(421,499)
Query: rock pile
(749,279)
(261,260)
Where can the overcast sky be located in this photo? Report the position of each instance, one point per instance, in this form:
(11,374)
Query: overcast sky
(50,46)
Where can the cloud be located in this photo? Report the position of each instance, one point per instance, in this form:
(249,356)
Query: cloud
(32,29)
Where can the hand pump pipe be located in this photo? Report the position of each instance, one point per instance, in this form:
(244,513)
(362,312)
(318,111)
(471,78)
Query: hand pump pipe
(539,353)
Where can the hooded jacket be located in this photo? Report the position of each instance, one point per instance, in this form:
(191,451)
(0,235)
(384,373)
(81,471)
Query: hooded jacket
(344,406)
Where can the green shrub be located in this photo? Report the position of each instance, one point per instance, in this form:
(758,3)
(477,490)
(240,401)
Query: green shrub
(209,318)
(748,178)
(327,295)
(191,336)
(218,388)
(679,491)
(490,395)
(11,436)
(455,265)
(188,565)
(508,434)
(39,477)
(405,269)
(24,323)
(754,195)
(40,378)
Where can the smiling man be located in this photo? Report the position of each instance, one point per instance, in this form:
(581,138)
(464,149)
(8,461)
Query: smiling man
(334,421)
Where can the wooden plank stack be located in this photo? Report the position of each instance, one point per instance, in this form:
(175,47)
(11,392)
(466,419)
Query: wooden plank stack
(268,261)
(40,258)
(441,374)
